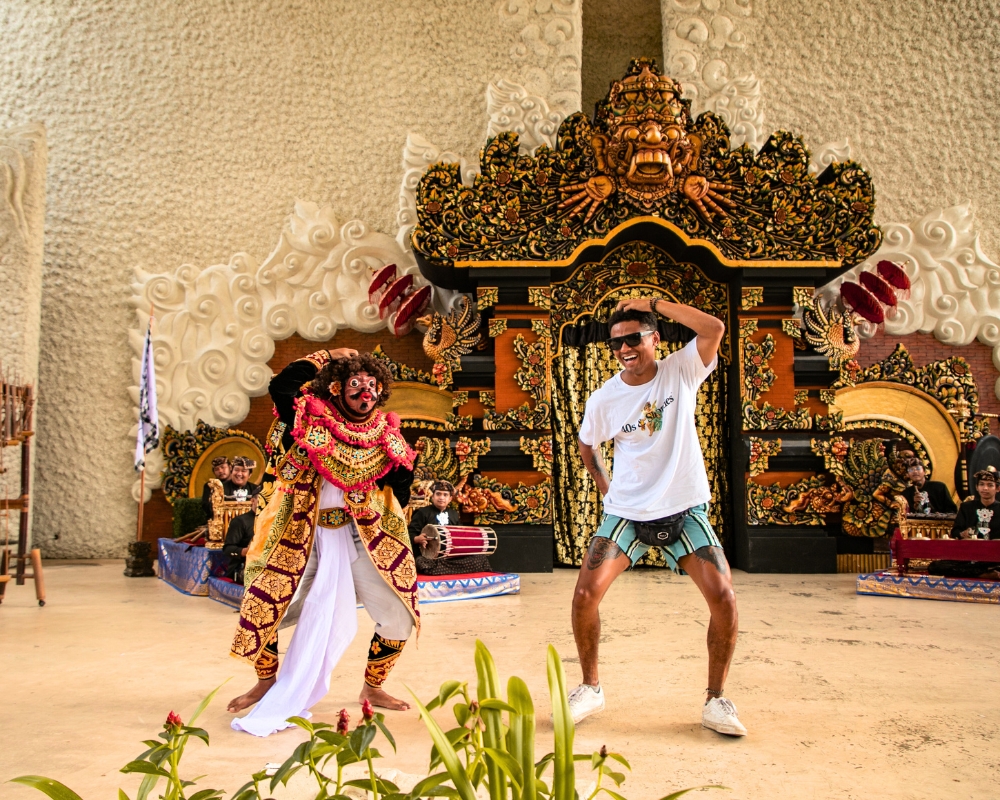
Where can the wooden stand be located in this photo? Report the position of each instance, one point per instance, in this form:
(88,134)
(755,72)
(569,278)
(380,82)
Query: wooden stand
(16,405)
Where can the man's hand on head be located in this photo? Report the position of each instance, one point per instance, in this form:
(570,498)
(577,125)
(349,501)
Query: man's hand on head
(343,352)
(637,304)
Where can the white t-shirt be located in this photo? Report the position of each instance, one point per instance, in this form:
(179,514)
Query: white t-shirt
(658,466)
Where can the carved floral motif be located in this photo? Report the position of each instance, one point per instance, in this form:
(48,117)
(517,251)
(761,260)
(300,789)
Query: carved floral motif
(531,377)
(751,297)
(540,451)
(760,451)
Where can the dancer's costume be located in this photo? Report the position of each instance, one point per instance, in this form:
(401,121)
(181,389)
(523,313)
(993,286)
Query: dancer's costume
(330,531)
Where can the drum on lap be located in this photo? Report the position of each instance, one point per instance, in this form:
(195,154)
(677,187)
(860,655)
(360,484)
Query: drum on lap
(457,541)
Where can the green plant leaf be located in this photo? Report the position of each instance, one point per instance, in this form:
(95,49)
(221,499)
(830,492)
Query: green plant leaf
(440,791)
(488,692)
(563,773)
(302,722)
(675,795)
(447,691)
(361,738)
(147,785)
(448,756)
(621,760)
(617,777)
(206,794)
(508,764)
(613,794)
(545,760)
(145,768)
(122,795)
(496,705)
(461,712)
(428,783)
(286,768)
(331,737)
(380,721)
(521,736)
(54,789)
(201,733)
(204,703)
(346,756)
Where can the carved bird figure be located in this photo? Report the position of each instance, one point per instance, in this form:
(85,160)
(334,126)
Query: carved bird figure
(831,332)
(449,338)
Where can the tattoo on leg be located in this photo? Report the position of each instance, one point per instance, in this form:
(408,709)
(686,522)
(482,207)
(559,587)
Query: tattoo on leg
(714,556)
(601,550)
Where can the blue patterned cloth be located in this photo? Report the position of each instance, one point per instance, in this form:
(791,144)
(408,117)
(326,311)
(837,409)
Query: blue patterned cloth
(225,591)
(929,587)
(187,568)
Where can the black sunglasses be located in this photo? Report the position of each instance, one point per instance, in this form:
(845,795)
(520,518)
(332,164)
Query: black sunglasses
(631,339)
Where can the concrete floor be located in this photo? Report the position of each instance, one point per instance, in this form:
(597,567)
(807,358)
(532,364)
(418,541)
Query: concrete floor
(844,696)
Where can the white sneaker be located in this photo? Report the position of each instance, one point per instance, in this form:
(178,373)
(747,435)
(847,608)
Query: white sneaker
(720,715)
(585,700)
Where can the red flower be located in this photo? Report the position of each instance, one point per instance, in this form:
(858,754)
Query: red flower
(342,721)
(367,711)
(173,721)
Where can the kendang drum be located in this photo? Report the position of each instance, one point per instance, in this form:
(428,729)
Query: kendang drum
(457,541)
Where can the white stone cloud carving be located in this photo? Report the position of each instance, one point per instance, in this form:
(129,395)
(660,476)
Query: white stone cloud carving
(827,153)
(701,38)
(512,108)
(214,328)
(955,290)
(548,48)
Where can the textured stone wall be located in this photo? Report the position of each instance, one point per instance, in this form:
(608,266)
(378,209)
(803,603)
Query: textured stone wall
(183,132)
(913,85)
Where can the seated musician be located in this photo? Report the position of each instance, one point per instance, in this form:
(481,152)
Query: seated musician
(238,539)
(438,513)
(924,496)
(238,487)
(220,469)
(978,518)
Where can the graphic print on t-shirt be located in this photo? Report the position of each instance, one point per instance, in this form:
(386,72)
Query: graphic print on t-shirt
(652,418)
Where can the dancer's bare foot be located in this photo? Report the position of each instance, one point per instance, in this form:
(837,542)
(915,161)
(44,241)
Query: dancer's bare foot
(261,688)
(381,699)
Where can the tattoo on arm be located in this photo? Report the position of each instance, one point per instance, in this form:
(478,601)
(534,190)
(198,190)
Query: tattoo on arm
(601,550)
(714,556)
(594,466)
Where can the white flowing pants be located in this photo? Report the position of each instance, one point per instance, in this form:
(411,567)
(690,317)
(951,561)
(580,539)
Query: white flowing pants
(339,574)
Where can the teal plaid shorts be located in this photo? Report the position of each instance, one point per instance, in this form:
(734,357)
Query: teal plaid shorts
(697,533)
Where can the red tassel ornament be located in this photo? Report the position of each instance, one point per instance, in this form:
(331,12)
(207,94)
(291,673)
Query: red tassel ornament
(882,291)
(861,301)
(895,276)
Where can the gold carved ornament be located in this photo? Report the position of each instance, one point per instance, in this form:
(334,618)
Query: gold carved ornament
(644,155)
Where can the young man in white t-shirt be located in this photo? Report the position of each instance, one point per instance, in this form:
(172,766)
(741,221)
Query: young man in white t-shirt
(648,409)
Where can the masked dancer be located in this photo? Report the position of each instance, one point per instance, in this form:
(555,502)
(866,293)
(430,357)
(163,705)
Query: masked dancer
(329,532)
(660,491)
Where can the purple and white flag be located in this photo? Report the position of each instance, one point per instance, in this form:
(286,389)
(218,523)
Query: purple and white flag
(148,438)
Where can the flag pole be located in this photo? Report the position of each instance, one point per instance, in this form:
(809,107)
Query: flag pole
(142,472)
(142,498)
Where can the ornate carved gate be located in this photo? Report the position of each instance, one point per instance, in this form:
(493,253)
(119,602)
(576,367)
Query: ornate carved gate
(641,198)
